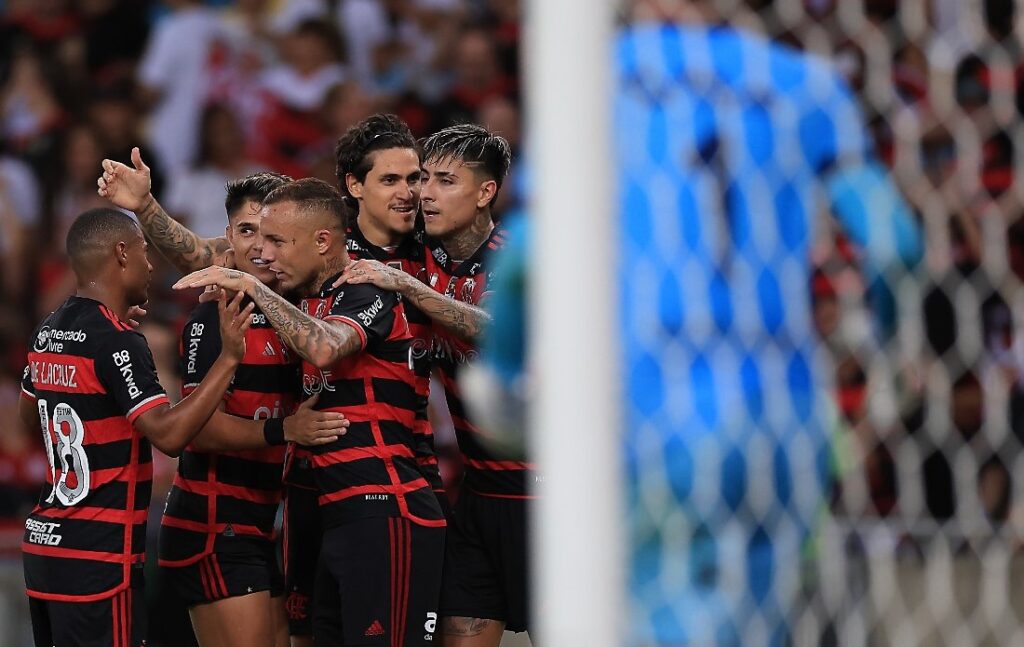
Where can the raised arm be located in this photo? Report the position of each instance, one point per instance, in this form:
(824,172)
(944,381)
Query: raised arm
(321,343)
(464,319)
(129,188)
(171,428)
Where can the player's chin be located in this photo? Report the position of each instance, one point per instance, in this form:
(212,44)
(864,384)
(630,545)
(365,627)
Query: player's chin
(434,224)
(403,223)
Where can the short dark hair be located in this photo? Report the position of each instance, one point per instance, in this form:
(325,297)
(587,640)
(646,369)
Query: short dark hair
(377,132)
(473,146)
(312,194)
(95,229)
(255,187)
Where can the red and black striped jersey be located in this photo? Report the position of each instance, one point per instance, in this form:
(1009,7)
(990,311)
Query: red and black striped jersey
(91,376)
(372,470)
(409,257)
(485,472)
(229,493)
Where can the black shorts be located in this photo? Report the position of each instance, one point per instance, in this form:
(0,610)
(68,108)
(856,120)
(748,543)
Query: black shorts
(378,583)
(237,566)
(117,621)
(486,566)
(302,537)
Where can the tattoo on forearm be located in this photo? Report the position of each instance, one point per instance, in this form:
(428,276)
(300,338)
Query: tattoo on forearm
(179,244)
(310,337)
(464,319)
(459,626)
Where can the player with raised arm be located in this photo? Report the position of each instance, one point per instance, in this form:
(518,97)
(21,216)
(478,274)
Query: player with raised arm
(91,383)
(486,573)
(217,542)
(379,571)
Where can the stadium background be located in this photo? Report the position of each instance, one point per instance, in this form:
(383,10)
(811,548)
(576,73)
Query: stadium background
(927,516)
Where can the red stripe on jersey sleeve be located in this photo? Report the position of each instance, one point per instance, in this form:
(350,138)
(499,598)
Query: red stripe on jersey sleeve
(64,373)
(353,323)
(146,405)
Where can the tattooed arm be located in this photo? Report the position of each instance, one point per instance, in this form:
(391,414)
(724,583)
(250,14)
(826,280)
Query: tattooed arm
(321,343)
(129,188)
(182,247)
(464,319)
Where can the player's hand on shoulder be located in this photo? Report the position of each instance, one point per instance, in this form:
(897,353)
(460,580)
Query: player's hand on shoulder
(123,185)
(371,271)
(307,426)
(234,322)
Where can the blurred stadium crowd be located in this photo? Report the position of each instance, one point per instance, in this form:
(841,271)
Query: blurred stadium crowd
(216,90)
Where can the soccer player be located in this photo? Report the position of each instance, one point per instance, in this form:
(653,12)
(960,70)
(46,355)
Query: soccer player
(486,574)
(91,383)
(378,169)
(380,560)
(217,542)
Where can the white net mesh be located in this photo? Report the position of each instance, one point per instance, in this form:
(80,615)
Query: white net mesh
(824,270)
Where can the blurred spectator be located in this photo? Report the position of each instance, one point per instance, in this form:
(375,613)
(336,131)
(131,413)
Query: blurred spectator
(174,75)
(115,33)
(196,196)
(30,115)
(478,78)
(346,104)
(294,91)
(392,44)
(20,210)
(81,157)
(501,116)
(114,116)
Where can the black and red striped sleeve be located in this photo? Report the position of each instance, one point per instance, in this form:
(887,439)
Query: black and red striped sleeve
(367,308)
(200,346)
(125,367)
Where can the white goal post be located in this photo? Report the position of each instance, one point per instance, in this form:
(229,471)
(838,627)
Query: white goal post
(578,529)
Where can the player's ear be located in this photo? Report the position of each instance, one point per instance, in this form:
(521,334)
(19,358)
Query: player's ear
(355,187)
(121,253)
(323,239)
(486,193)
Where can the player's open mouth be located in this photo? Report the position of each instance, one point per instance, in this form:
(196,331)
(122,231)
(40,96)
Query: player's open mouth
(403,208)
(259,262)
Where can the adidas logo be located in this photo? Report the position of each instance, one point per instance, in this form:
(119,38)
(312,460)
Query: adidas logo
(268,350)
(229,530)
(376,629)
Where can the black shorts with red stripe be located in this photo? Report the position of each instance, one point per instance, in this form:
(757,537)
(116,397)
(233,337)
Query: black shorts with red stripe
(117,621)
(487,568)
(377,583)
(302,536)
(237,566)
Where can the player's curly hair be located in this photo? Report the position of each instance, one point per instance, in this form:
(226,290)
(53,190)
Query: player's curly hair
(473,146)
(377,132)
